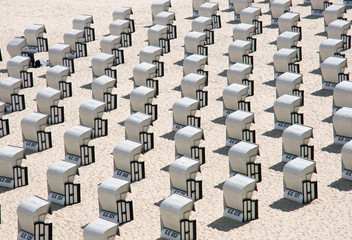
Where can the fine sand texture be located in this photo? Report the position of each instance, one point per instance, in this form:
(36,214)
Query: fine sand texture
(327,217)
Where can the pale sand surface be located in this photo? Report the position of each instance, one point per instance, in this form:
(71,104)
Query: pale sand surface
(328,217)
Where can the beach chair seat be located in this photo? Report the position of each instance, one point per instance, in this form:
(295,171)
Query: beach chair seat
(346,165)
(60,54)
(242,160)
(143,75)
(34,136)
(285,61)
(298,186)
(91,115)
(141,100)
(204,24)
(122,28)
(245,31)
(61,187)
(234,98)
(330,47)
(9,94)
(158,36)
(195,6)
(101,229)
(342,120)
(318,7)
(75,38)
(175,212)
(34,36)
(159,6)
(167,18)
(238,6)
(338,29)
(111,44)
(56,78)
(289,83)
(102,64)
(48,103)
(238,203)
(184,113)
(277,8)
(289,39)
(17,47)
(289,22)
(250,15)
(238,126)
(17,67)
(183,172)
(31,214)
(333,72)
(84,22)
(342,96)
(102,91)
(195,44)
(124,13)
(210,9)
(238,52)
(195,63)
(126,164)
(334,12)
(286,111)
(192,86)
(295,140)
(187,142)
(12,173)
(239,73)
(136,129)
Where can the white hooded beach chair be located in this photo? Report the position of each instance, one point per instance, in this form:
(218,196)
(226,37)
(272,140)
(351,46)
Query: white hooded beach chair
(12,174)
(91,115)
(124,13)
(238,52)
(204,24)
(245,31)
(159,6)
(31,215)
(239,73)
(187,142)
(34,36)
(167,18)
(101,229)
(289,39)
(77,150)
(238,6)
(47,103)
(333,12)
(141,100)
(346,163)
(277,8)
(289,83)
(238,203)
(210,9)
(17,67)
(112,201)
(195,6)
(143,75)
(175,212)
(158,36)
(289,22)
(318,6)
(342,96)
(286,113)
(75,38)
(60,54)
(192,86)
(61,187)
(250,15)
(234,98)
(102,64)
(56,78)
(295,140)
(84,22)
(184,113)
(122,28)
(338,29)
(285,61)
(111,44)
(183,172)
(136,129)
(126,164)
(195,44)
(298,186)
(152,54)
(33,132)
(330,47)
(9,94)
(4,123)
(17,46)
(342,120)
(195,63)
(333,72)
(102,91)
(242,160)
(238,128)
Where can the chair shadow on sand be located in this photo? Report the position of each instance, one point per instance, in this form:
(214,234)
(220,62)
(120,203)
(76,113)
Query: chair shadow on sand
(225,224)
(286,205)
(341,185)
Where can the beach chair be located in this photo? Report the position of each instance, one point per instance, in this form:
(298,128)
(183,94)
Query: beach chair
(195,6)
(124,13)
(285,61)
(143,75)
(342,96)
(56,78)
(126,164)
(84,22)
(204,24)
(175,212)
(113,206)
(75,38)
(250,15)
(289,39)
(101,229)
(34,136)
(346,166)
(342,120)
(12,174)
(102,64)
(60,54)
(238,52)
(238,203)
(4,123)
(187,142)
(34,36)
(195,63)
(338,29)
(239,73)
(195,44)
(47,103)
(183,172)
(31,214)
(289,83)
(152,54)
(159,6)
(277,8)
(17,67)
(158,36)
(9,94)
(234,98)
(61,187)
(318,7)
(242,160)
(102,91)
(238,128)
(210,9)
(245,31)
(17,47)
(111,44)
(76,143)
(122,28)
(167,18)
(289,22)
(330,47)
(286,111)
(184,113)
(141,100)
(91,115)
(334,12)
(136,129)
(298,186)
(333,72)
(192,86)
(238,6)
